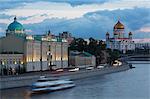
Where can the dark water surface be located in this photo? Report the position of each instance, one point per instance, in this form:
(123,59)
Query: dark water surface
(130,84)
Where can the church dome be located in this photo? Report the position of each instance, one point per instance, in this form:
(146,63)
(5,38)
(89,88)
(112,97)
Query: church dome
(119,25)
(15,26)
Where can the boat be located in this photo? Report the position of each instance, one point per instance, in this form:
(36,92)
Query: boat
(50,84)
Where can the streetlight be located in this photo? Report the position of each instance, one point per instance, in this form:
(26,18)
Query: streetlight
(61,55)
(49,59)
(41,57)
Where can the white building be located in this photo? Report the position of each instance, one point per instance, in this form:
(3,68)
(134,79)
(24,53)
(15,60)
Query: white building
(119,41)
(36,51)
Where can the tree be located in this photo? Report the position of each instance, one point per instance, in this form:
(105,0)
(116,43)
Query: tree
(114,55)
(95,47)
(78,44)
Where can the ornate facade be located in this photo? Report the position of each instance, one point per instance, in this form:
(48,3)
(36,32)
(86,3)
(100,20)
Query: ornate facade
(119,41)
(38,52)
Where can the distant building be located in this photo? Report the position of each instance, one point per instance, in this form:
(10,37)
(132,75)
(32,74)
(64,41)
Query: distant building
(119,41)
(142,43)
(34,52)
(67,36)
(81,59)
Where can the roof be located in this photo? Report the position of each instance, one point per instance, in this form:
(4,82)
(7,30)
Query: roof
(81,54)
(15,25)
(119,25)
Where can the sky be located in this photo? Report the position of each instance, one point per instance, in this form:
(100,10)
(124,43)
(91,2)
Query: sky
(82,18)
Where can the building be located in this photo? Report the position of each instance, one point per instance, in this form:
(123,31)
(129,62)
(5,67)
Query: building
(34,52)
(142,43)
(119,41)
(66,35)
(81,59)
(142,46)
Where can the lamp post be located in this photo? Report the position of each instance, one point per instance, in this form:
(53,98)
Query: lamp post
(41,58)
(49,59)
(1,68)
(61,55)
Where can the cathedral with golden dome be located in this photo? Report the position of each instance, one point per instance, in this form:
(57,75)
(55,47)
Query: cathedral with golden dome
(119,41)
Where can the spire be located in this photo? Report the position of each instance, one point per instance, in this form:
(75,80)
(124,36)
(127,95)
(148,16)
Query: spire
(130,33)
(49,32)
(107,33)
(107,36)
(118,18)
(15,18)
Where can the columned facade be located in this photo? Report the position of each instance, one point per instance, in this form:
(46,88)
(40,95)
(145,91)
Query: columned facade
(37,52)
(119,41)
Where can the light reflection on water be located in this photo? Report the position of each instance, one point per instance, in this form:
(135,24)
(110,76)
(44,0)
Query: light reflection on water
(130,84)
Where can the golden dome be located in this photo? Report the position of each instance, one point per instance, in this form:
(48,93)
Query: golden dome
(119,25)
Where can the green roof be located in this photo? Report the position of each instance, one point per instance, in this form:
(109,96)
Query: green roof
(82,54)
(87,54)
(15,26)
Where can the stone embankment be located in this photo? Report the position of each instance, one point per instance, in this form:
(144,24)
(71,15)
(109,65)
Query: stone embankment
(20,81)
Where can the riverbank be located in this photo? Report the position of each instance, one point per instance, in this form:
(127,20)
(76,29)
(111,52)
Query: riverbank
(20,81)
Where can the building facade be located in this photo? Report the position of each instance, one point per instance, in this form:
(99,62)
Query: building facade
(119,41)
(81,59)
(142,43)
(37,52)
(66,35)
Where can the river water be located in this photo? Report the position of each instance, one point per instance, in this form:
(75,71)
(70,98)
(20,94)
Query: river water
(130,84)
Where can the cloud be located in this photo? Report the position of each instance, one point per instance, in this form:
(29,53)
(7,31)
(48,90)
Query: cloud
(65,10)
(1,30)
(96,24)
(83,19)
(144,29)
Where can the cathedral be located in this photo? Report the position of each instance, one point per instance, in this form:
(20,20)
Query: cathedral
(119,41)
(32,52)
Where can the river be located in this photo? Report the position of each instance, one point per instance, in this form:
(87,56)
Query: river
(130,84)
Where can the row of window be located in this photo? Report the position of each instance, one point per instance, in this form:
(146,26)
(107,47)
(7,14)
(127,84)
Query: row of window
(10,61)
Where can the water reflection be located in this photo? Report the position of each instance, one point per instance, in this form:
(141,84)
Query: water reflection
(131,84)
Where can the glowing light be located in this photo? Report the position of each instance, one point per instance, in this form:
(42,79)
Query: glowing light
(30,37)
(21,62)
(3,63)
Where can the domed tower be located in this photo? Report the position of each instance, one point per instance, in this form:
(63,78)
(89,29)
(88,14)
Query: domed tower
(107,36)
(15,28)
(130,35)
(118,30)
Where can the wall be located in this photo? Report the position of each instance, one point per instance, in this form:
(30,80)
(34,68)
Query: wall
(11,59)
(12,44)
(11,82)
(82,61)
